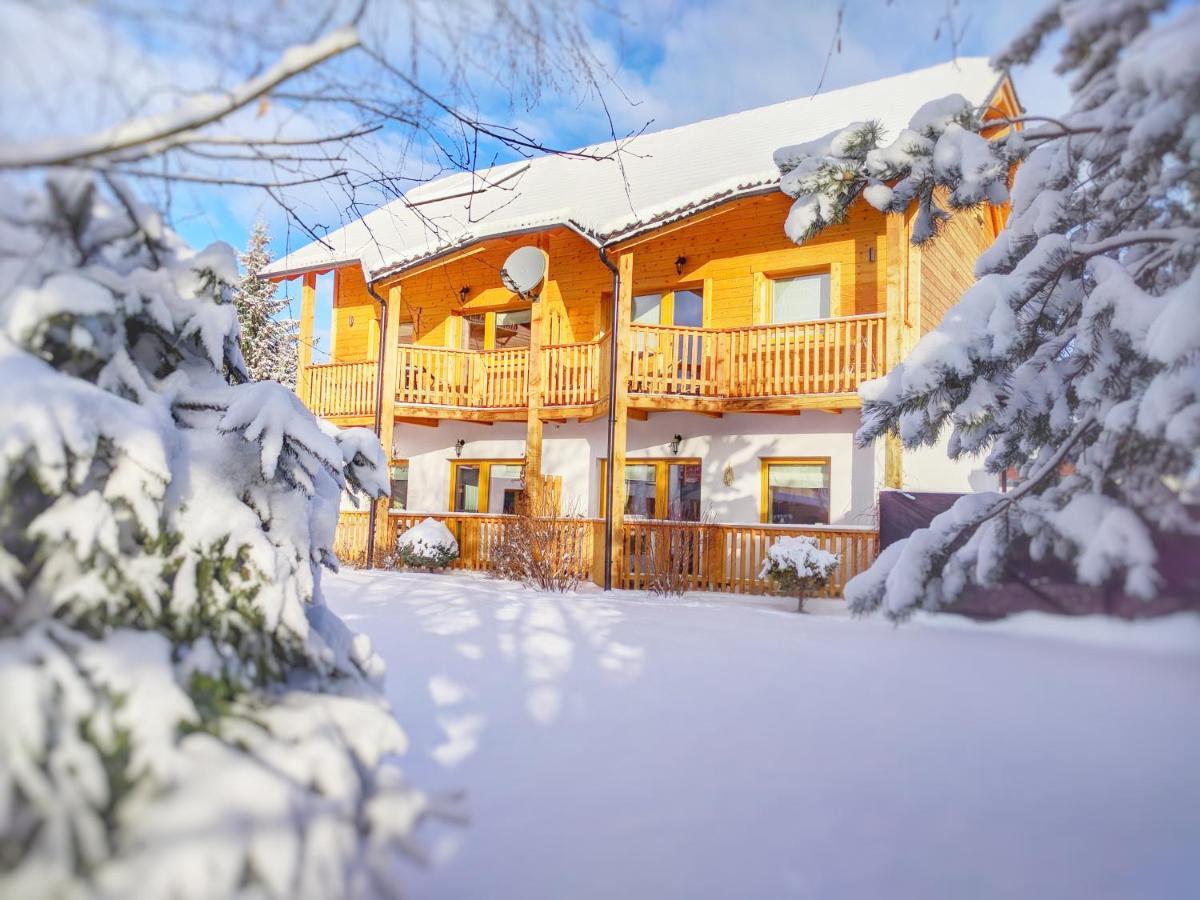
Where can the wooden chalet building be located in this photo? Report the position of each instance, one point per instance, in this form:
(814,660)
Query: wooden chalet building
(737,353)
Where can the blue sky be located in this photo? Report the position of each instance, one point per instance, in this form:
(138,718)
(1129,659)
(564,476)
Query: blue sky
(677,61)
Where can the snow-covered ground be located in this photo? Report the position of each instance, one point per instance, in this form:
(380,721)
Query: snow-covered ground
(727,747)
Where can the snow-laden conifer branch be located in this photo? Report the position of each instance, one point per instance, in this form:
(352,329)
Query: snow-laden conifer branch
(1074,360)
(155,133)
(183,715)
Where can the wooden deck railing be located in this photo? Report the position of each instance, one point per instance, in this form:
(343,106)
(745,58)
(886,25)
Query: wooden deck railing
(828,356)
(340,389)
(730,557)
(480,379)
(575,374)
(722,557)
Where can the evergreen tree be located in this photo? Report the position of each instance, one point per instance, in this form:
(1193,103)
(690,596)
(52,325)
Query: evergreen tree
(1075,358)
(268,341)
(182,714)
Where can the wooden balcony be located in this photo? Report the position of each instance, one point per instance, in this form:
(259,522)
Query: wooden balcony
(803,364)
(822,361)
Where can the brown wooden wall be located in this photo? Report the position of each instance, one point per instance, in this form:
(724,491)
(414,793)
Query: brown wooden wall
(738,245)
(947,264)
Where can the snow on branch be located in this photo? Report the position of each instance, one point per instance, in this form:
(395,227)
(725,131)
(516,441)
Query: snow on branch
(1074,360)
(165,130)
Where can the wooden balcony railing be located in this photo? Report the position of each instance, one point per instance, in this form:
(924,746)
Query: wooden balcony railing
(828,356)
(339,389)
(721,557)
(575,374)
(479,379)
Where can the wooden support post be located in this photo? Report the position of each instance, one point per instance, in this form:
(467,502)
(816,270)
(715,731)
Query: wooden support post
(308,308)
(897,299)
(533,418)
(390,349)
(620,401)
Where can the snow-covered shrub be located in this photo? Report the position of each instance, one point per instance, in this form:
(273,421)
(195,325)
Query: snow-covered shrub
(428,545)
(1075,358)
(799,567)
(182,714)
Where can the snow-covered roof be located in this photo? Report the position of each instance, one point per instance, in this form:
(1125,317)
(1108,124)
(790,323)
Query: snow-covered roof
(665,174)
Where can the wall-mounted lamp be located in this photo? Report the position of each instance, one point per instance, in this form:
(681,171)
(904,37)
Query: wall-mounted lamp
(680,262)
(462,294)
(675,442)
(458,446)
(350,321)
(870,254)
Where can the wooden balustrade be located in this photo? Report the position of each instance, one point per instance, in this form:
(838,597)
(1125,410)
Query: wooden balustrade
(730,557)
(340,389)
(827,356)
(716,557)
(669,359)
(480,379)
(575,374)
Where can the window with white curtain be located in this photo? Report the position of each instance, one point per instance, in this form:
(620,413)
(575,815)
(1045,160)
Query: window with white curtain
(800,299)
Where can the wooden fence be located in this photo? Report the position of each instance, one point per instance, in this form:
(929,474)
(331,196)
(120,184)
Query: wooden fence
(339,389)
(720,557)
(828,356)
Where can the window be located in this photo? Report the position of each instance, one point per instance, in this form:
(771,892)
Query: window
(684,307)
(399,479)
(688,309)
(486,485)
(795,491)
(658,489)
(647,309)
(506,328)
(800,299)
(505,483)
(513,328)
(474,332)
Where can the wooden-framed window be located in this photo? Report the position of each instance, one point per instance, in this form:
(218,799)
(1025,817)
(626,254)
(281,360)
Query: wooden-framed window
(682,306)
(486,485)
(800,298)
(660,488)
(496,329)
(795,491)
(398,474)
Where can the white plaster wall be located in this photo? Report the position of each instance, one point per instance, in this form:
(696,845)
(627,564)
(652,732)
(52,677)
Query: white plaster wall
(931,469)
(572,450)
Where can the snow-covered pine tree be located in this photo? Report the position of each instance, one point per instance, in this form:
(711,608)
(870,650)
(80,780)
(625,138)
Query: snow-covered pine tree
(182,714)
(268,341)
(1075,358)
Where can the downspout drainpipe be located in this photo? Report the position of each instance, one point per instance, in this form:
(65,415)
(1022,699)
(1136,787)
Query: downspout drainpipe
(383,336)
(612,414)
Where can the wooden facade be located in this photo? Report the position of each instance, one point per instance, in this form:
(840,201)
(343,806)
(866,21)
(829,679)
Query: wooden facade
(728,356)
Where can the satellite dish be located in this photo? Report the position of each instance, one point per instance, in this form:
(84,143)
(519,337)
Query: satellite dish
(523,270)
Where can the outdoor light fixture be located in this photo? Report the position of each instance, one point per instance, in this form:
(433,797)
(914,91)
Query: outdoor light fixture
(462,294)
(870,254)
(675,442)
(680,262)
(458,445)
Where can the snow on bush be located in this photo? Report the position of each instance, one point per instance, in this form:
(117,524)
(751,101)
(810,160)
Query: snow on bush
(1075,358)
(798,566)
(428,545)
(182,714)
